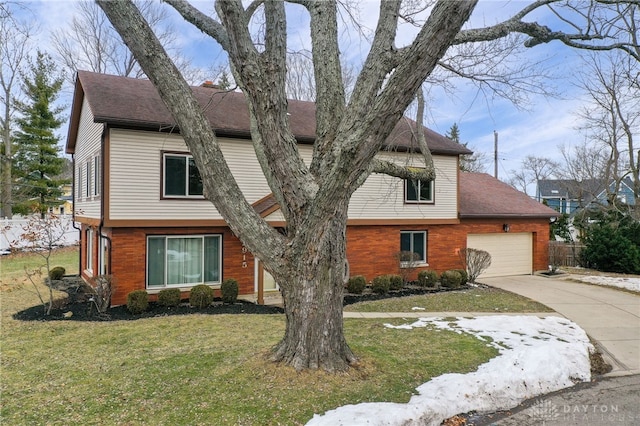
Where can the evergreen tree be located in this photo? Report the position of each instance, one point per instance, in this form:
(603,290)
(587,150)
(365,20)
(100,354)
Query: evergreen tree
(470,162)
(223,82)
(37,163)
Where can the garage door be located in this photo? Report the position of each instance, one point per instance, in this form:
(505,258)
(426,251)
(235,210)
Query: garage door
(511,254)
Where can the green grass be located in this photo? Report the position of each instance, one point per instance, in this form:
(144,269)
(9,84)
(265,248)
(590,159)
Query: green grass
(12,266)
(202,369)
(473,300)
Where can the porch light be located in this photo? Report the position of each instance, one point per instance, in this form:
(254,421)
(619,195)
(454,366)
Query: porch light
(506,227)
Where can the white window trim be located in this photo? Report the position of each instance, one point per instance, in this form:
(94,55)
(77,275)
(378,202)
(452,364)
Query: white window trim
(89,248)
(419,263)
(88,183)
(96,176)
(186,171)
(185,287)
(406,190)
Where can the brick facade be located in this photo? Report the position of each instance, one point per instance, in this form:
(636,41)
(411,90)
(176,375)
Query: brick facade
(371,250)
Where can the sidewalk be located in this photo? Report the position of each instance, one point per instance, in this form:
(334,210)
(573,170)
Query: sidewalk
(611,317)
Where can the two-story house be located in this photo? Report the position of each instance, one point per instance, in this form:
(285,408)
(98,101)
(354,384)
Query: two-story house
(570,195)
(144,220)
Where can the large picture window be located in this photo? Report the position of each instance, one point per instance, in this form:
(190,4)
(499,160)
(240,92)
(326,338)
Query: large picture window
(415,242)
(418,191)
(181,176)
(184,260)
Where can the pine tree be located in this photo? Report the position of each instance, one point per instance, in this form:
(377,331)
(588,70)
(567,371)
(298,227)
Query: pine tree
(37,163)
(470,162)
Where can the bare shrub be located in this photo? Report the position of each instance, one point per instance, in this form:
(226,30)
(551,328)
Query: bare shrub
(42,234)
(102,287)
(407,263)
(558,251)
(476,261)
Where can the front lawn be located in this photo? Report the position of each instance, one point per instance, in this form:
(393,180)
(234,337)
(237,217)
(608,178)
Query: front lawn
(473,300)
(202,369)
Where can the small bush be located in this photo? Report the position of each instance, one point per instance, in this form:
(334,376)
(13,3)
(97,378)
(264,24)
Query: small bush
(451,279)
(201,296)
(229,290)
(396,282)
(381,284)
(356,284)
(57,273)
(427,278)
(463,275)
(137,301)
(169,297)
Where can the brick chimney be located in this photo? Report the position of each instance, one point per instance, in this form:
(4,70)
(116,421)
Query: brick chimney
(210,84)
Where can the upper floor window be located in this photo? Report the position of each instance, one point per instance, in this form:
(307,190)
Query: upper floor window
(181,176)
(418,191)
(96,175)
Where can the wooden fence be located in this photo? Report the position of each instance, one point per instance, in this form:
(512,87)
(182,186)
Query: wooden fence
(564,254)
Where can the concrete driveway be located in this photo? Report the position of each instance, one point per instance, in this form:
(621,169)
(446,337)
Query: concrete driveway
(611,317)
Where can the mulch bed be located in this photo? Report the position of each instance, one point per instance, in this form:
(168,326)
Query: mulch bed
(77,307)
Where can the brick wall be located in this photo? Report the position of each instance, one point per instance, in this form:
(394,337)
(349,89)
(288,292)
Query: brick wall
(371,250)
(128,258)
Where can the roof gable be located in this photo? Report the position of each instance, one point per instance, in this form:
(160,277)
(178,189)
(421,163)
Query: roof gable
(129,102)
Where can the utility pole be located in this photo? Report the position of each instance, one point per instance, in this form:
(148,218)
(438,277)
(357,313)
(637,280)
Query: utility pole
(495,154)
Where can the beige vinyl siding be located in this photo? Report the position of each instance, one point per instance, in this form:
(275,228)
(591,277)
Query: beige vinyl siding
(136,157)
(382,196)
(87,147)
(136,180)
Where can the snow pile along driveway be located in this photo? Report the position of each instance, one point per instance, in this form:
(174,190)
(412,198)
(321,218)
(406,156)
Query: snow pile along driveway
(537,356)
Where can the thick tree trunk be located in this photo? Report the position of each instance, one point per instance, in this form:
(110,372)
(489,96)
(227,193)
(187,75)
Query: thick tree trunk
(312,290)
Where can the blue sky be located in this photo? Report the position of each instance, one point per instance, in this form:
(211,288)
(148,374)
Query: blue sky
(537,130)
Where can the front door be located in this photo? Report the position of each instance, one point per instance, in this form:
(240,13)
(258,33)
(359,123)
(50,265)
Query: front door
(265,283)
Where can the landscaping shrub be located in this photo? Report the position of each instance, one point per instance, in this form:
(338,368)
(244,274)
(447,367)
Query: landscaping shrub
(201,296)
(169,297)
(381,284)
(608,249)
(101,289)
(451,279)
(57,273)
(137,301)
(427,278)
(476,261)
(464,276)
(229,290)
(396,282)
(356,284)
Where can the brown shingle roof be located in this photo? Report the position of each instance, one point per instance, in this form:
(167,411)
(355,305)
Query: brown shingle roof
(483,196)
(129,102)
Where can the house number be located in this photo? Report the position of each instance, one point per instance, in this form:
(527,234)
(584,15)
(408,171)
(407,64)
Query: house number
(244,256)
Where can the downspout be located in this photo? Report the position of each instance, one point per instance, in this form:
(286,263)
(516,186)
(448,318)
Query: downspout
(73,213)
(102,198)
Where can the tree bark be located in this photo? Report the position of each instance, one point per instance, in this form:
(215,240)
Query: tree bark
(312,290)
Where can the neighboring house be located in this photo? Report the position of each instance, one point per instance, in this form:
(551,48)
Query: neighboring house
(568,195)
(144,220)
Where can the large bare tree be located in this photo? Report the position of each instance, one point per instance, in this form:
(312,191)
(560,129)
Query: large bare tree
(532,170)
(612,116)
(309,259)
(89,42)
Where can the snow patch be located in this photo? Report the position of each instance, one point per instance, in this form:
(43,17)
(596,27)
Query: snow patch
(537,356)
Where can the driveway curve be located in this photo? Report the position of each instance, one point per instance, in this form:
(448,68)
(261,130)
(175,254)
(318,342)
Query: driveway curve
(611,317)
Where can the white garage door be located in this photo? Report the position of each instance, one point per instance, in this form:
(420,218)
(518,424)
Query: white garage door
(511,254)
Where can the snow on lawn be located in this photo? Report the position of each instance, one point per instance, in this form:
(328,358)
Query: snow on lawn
(622,282)
(537,356)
